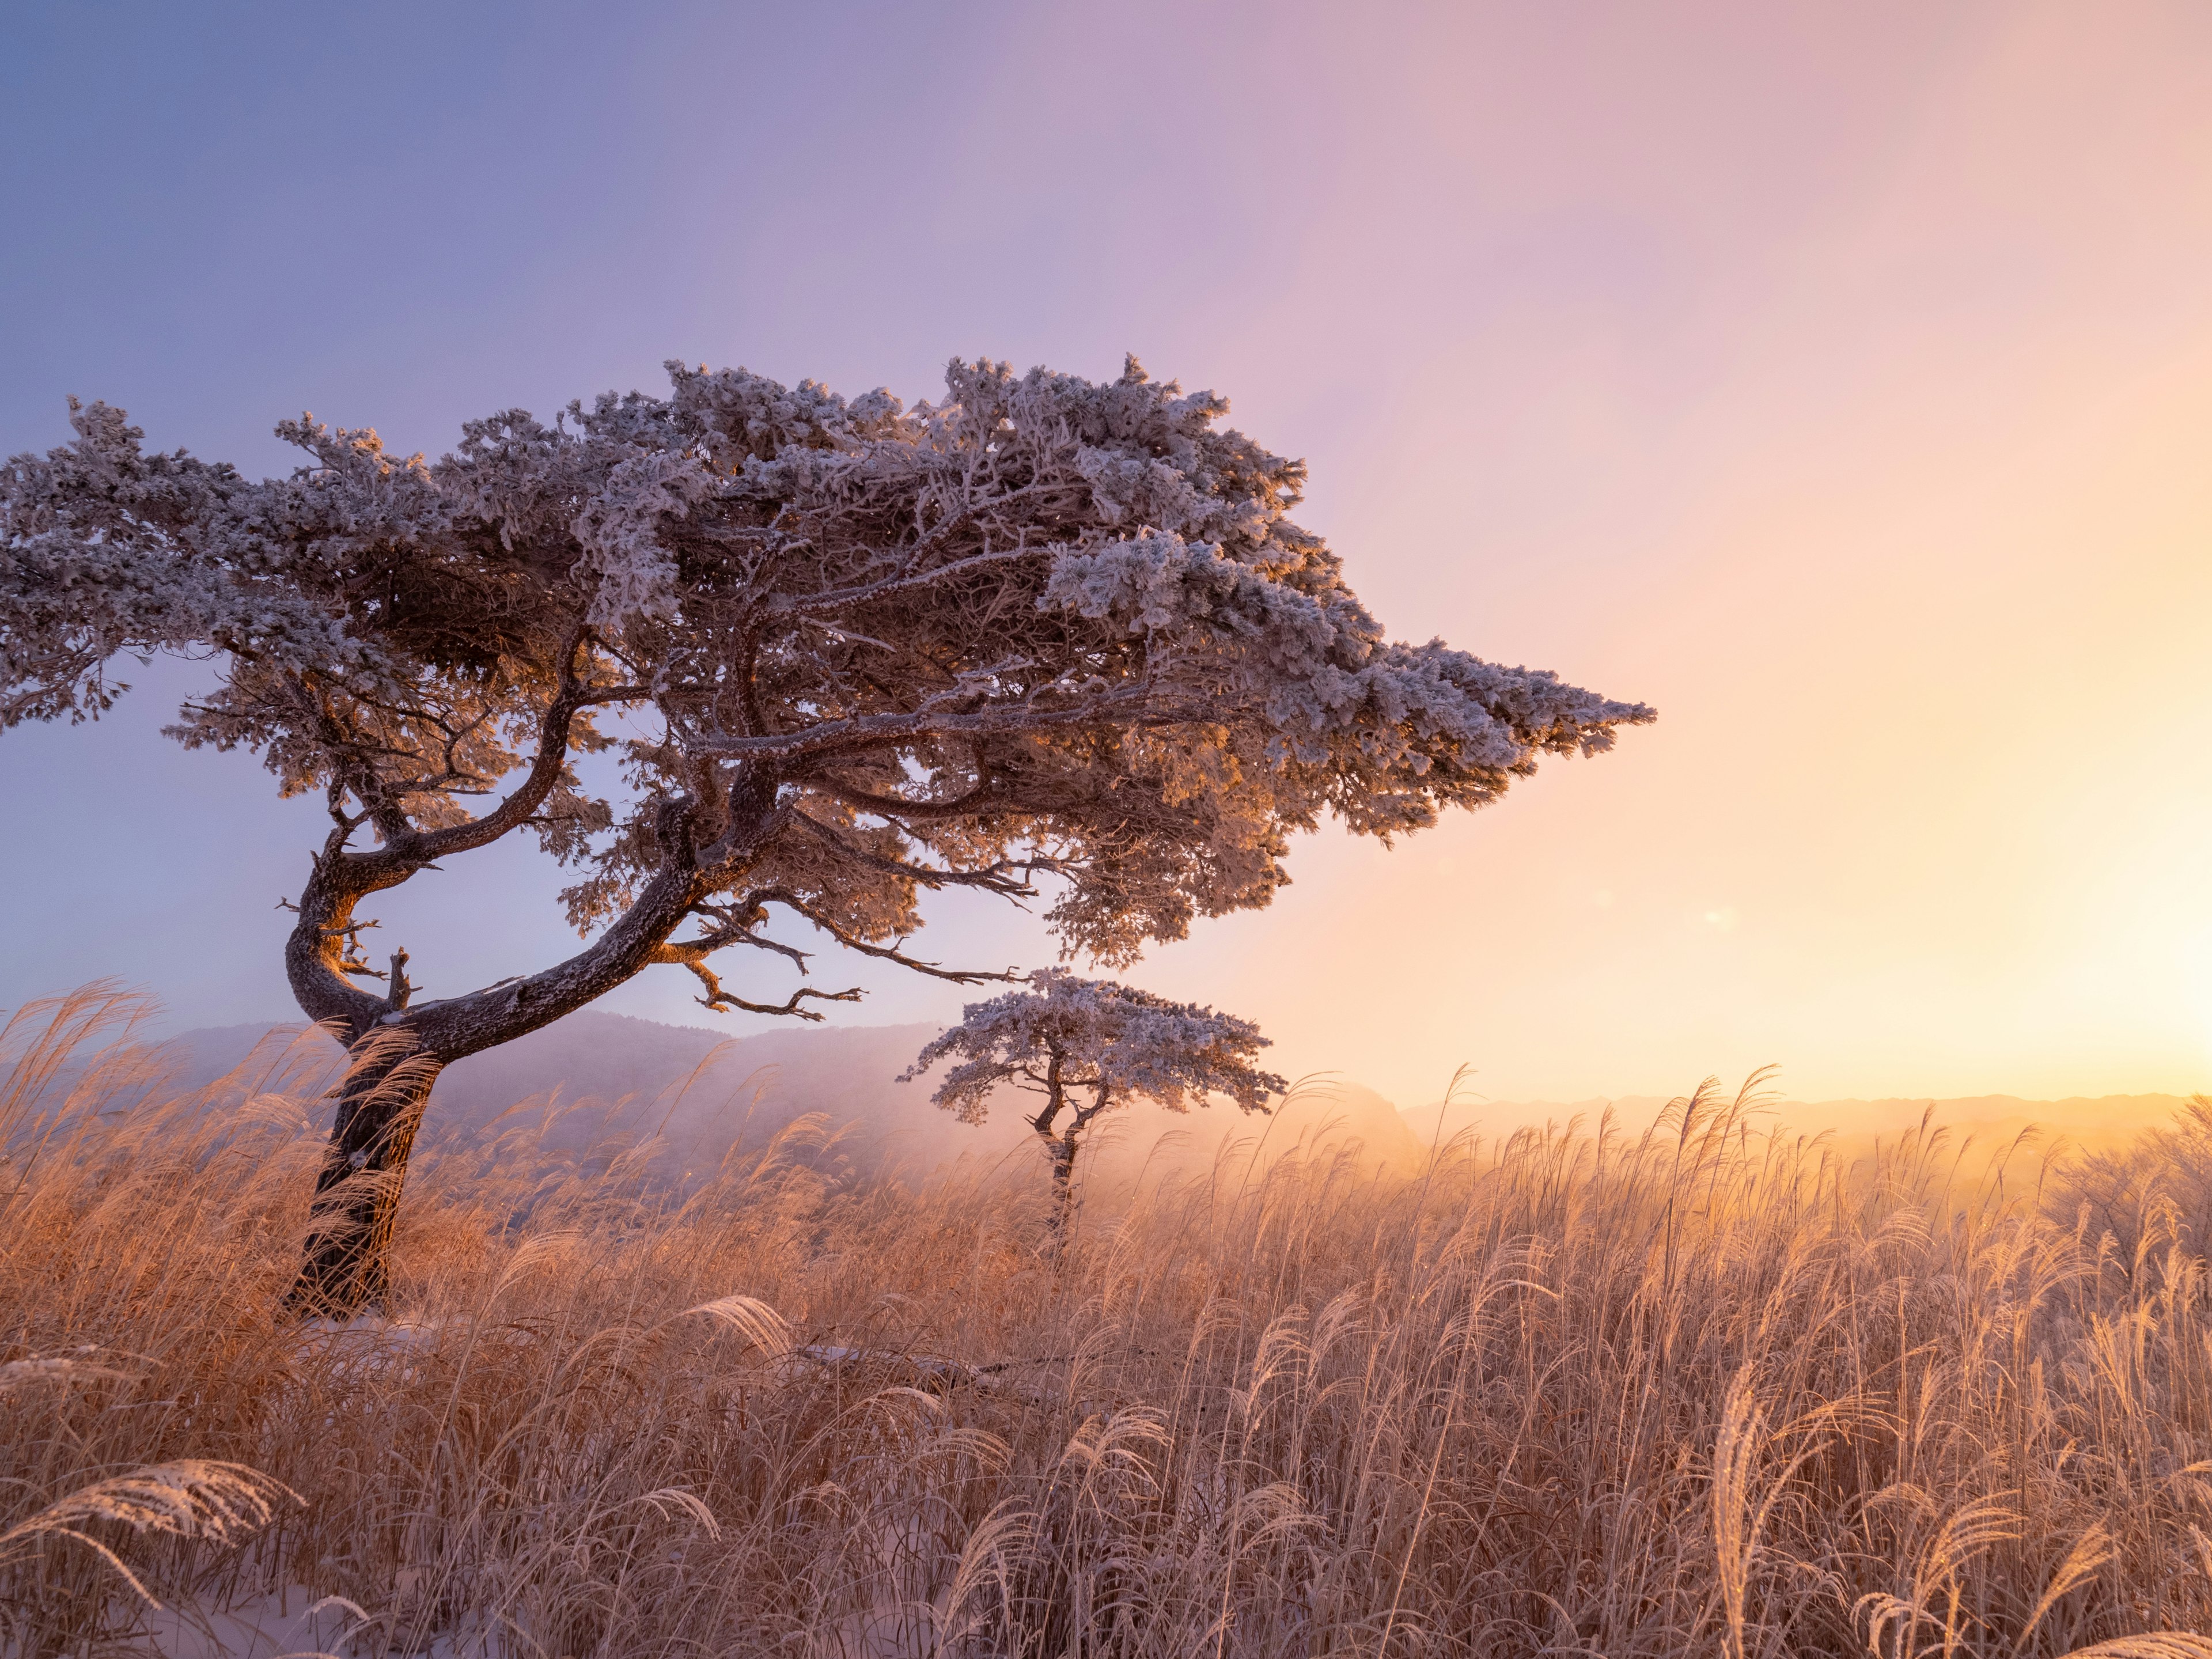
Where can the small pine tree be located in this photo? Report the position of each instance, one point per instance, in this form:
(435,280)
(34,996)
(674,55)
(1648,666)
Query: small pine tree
(1087,1046)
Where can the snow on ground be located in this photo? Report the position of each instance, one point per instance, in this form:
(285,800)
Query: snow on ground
(294,1621)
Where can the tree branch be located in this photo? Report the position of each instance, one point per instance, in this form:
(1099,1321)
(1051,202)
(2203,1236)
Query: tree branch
(545,768)
(991,879)
(884,953)
(736,922)
(1132,706)
(720,1001)
(890,586)
(985,797)
(1084,1114)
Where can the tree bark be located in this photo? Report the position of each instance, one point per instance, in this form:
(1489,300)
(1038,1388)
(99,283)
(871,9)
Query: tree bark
(1062,1148)
(1063,1185)
(346,1264)
(1058,1149)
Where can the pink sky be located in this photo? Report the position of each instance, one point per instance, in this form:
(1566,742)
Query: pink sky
(1890,491)
(1835,379)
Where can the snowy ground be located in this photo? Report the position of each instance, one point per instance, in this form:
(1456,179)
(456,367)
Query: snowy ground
(293,1622)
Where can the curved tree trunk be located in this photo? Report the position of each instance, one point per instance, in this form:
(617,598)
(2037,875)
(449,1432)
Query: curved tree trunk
(1058,1149)
(1063,1148)
(345,1264)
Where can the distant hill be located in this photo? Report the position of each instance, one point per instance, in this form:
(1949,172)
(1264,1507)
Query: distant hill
(609,1080)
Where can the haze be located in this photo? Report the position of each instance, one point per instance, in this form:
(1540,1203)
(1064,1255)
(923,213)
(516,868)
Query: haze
(1836,380)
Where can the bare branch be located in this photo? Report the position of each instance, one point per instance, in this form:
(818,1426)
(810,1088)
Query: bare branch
(737,925)
(721,1000)
(401,987)
(889,953)
(986,797)
(545,769)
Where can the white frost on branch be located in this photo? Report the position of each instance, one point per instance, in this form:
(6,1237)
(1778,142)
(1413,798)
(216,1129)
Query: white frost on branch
(1109,1041)
(619,529)
(105,551)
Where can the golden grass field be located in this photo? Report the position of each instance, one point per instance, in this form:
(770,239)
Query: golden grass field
(1697,1391)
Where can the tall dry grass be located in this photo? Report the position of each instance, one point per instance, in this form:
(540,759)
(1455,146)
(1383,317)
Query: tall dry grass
(1696,1392)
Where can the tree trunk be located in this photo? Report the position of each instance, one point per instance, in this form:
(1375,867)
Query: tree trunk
(1063,1184)
(345,1267)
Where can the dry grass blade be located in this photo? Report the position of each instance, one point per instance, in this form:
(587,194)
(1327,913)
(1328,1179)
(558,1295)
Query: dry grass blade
(684,1502)
(24,1373)
(1735,1453)
(983,1562)
(2090,1553)
(748,1317)
(223,1503)
(220,1503)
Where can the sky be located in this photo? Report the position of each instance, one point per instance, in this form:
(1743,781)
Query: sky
(1837,379)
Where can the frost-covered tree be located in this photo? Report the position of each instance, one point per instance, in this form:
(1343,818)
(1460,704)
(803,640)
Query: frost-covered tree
(1087,1046)
(830,654)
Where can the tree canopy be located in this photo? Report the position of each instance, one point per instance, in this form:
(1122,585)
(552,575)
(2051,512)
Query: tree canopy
(1067,1036)
(842,652)
(1088,1046)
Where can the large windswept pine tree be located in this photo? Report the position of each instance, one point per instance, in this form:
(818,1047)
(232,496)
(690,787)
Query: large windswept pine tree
(1044,629)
